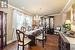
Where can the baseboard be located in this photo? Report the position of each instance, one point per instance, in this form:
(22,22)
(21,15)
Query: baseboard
(11,41)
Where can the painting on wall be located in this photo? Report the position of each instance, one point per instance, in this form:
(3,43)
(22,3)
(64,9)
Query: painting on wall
(74,16)
(73,6)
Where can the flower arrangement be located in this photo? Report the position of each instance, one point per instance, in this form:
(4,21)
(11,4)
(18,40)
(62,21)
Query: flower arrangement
(67,27)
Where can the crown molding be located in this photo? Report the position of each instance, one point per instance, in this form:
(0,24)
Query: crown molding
(68,4)
(25,12)
(54,14)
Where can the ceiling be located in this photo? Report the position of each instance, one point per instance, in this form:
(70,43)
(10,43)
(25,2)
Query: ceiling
(73,1)
(40,7)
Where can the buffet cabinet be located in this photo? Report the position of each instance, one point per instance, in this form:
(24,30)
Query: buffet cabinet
(63,45)
(3,34)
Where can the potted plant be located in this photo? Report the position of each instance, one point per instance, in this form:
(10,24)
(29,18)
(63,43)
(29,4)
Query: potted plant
(67,27)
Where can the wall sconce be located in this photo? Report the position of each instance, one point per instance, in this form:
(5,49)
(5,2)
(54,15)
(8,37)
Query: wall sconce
(3,4)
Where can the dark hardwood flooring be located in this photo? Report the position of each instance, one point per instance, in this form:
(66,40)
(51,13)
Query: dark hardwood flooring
(51,44)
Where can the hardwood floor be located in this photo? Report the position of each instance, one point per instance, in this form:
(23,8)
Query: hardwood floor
(51,44)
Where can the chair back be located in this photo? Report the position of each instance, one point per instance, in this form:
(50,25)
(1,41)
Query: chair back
(20,36)
(38,32)
(58,28)
(29,28)
(23,29)
(44,34)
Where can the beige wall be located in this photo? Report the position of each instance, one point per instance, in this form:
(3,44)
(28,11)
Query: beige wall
(72,25)
(57,20)
(10,28)
(69,15)
(9,24)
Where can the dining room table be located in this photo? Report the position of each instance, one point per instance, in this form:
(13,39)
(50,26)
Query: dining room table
(32,34)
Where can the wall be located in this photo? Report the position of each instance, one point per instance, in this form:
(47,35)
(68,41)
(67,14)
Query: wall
(72,25)
(9,22)
(57,21)
(64,15)
(9,25)
(69,16)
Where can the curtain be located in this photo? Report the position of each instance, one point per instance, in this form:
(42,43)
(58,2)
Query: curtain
(19,19)
(17,22)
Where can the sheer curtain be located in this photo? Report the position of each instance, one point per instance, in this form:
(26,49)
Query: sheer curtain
(19,19)
(29,21)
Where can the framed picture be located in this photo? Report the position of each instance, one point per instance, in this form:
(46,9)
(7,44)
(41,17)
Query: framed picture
(74,15)
(73,6)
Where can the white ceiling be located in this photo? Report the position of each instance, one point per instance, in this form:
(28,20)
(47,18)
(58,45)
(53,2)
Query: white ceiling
(73,1)
(40,7)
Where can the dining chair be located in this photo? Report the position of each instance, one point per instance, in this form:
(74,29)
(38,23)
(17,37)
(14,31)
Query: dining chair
(23,29)
(22,39)
(32,37)
(41,37)
(57,30)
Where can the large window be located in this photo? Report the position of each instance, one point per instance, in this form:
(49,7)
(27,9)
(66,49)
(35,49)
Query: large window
(20,19)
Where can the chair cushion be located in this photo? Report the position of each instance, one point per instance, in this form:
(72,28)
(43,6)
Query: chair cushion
(40,37)
(26,41)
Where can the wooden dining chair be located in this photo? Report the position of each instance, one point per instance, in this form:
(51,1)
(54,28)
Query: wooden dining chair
(23,29)
(22,39)
(41,37)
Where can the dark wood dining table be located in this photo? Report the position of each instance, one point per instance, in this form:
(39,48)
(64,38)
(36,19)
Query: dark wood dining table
(32,34)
